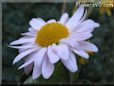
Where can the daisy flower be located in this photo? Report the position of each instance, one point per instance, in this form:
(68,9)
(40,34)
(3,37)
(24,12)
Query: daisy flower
(46,43)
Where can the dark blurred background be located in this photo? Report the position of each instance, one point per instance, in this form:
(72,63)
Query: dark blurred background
(99,67)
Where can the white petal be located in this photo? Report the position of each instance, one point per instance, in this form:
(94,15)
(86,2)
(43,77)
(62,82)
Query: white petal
(51,21)
(86,26)
(32,30)
(36,71)
(27,34)
(37,62)
(81,36)
(53,58)
(27,63)
(74,20)
(26,47)
(64,18)
(62,51)
(28,44)
(37,23)
(70,42)
(47,68)
(21,50)
(22,47)
(71,63)
(88,46)
(81,53)
(85,14)
(28,68)
(39,56)
(23,40)
(23,54)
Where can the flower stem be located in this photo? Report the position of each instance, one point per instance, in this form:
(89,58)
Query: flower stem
(24,78)
(71,78)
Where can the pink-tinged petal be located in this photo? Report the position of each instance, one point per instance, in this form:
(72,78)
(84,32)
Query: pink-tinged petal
(47,68)
(64,18)
(71,63)
(26,63)
(53,58)
(81,53)
(37,23)
(28,68)
(28,60)
(23,54)
(88,46)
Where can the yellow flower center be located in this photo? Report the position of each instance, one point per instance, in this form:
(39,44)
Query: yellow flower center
(51,33)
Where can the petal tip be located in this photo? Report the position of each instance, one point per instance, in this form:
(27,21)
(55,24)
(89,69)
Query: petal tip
(19,68)
(97,25)
(46,77)
(11,43)
(34,77)
(13,62)
(96,49)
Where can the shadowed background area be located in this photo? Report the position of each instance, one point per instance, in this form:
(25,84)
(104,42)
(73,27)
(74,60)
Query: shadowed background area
(98,68)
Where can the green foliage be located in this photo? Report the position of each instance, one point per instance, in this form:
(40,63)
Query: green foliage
(99,68)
